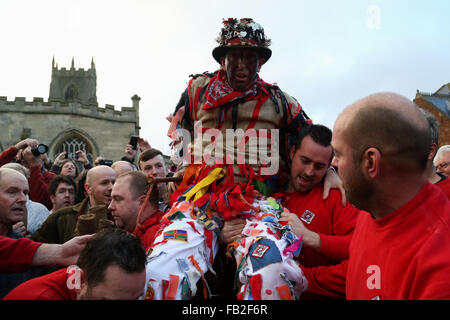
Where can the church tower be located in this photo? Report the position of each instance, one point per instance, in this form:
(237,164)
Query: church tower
(73,84)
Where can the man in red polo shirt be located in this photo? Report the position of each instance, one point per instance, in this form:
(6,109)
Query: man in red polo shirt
(400,249)
(110,267)
(326,225)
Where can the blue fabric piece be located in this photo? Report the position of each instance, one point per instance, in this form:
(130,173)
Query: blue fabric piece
(263,253)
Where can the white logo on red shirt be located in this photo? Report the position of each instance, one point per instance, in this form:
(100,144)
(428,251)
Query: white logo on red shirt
(307,216)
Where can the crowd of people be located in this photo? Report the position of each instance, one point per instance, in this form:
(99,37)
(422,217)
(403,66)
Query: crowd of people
(358,212)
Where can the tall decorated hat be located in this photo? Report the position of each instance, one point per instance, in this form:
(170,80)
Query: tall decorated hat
(242,33)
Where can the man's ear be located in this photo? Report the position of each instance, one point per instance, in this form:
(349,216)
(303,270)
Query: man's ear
(87,188)
(433,150)
(291,153)
(52,199)
(371,162)
(222,62)
(141,199)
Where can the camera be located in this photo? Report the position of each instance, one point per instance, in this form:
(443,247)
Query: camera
(40,149)
(105,162)
(134,141)
(71,156)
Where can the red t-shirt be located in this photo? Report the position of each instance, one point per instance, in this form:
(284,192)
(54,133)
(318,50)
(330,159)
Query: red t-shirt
(53,286)
(404,255)
(335,224)
(16,255)
(147,231)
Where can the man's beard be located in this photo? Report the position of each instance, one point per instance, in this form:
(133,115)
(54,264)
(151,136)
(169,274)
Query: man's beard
(358,189)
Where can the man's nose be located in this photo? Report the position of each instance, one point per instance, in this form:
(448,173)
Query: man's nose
(22,198)
(333,162)
(309,171)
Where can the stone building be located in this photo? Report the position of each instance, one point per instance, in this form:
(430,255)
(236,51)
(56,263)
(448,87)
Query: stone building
(438,104)
(71,119)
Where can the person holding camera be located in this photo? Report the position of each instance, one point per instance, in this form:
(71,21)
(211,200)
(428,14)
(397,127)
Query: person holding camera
(65,163)
(131,149)
(28,153)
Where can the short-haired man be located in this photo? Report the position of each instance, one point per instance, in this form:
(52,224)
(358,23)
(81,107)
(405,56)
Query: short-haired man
(39,178)
(110,267)
(151,162)
(326,225)
(65,223)
(442,160)
(13,200)
(62,192)
(36,212)
(400,246)
(128,196)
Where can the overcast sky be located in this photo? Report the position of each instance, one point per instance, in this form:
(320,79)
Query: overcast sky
(326,54)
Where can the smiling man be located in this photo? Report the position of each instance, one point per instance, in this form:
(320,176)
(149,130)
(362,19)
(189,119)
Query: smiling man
(326,225)
(62,225)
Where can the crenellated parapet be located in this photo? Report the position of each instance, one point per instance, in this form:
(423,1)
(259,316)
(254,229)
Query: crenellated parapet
(71,117)
(58,106)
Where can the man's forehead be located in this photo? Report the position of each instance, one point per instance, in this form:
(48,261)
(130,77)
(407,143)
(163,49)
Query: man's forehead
(122,182)
(313,150)
(11,177)
(64,185)
(102,173)
(156,159)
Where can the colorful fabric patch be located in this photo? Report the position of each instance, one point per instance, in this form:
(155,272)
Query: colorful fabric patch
(185,290)
(295,248)
(178,235)
(177,215)
(284,292)
(263,253)
(150,293)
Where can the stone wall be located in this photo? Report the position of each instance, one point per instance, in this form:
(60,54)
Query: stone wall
(105,129)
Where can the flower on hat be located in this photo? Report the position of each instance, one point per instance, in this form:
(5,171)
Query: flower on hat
(247,30)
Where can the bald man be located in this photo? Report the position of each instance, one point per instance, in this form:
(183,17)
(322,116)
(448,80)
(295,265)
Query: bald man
(61,225)
(400,246)
(122,166)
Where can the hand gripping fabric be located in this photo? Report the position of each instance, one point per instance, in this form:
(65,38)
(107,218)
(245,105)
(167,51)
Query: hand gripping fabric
(266,269)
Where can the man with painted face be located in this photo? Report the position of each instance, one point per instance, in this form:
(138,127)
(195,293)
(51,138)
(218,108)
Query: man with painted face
(222,180)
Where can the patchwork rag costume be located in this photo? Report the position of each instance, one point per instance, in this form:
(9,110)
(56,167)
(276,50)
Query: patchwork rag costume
(237,144)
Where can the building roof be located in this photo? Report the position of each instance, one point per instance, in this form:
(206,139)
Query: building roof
(440,99)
